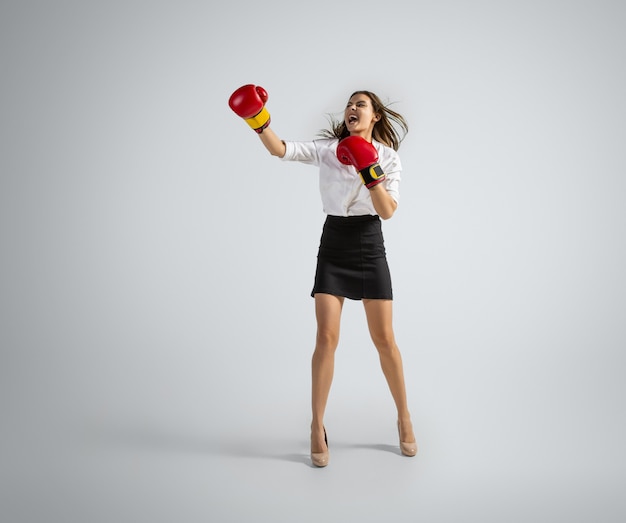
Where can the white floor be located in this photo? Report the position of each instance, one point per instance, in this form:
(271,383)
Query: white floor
(159,450)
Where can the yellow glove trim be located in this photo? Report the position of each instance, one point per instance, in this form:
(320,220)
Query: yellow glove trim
(260,120)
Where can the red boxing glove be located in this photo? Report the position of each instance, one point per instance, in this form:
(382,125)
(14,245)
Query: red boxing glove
(249,102)
(357,151)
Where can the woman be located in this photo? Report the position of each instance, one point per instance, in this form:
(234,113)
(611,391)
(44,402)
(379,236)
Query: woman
(359,171)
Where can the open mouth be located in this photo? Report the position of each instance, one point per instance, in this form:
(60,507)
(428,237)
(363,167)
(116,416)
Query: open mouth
(353,118)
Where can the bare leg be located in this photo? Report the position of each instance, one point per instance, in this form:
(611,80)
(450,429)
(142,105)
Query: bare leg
(328,313)
(379,320)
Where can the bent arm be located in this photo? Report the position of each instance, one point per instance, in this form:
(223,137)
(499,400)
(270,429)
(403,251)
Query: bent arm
(272,142)
(384,204)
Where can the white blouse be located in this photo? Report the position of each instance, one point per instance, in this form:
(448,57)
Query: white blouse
(341,187)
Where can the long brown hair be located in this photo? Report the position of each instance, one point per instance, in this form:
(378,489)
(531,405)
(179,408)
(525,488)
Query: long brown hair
(389,130)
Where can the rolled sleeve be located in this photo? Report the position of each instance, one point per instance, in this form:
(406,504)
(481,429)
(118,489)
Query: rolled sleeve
(305,152)
(392,168)
(392,185)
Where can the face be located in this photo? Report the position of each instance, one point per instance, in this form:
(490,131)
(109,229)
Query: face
(359,116)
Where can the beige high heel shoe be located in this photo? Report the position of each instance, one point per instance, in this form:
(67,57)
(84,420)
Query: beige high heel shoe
(320,459)
(407,448)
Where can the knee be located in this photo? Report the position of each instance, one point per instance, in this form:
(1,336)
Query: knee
(385,344)
(326,340)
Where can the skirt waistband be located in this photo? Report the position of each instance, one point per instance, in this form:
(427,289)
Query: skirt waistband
(352,219)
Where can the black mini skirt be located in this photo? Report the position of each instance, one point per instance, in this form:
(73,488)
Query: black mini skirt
(351,260)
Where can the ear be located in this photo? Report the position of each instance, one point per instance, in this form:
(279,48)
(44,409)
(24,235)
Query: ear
(377,117)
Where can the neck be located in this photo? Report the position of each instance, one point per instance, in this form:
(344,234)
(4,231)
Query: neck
(367,135)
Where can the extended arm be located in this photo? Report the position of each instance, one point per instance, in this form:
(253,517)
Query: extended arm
(272,142)
(249,102)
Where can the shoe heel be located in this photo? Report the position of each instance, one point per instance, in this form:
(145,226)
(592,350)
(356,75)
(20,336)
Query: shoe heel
(407,448)
(320,459)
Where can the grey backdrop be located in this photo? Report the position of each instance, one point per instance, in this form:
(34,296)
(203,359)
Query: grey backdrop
(156,327)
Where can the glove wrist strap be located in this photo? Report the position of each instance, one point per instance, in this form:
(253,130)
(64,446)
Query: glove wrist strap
(372,175)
